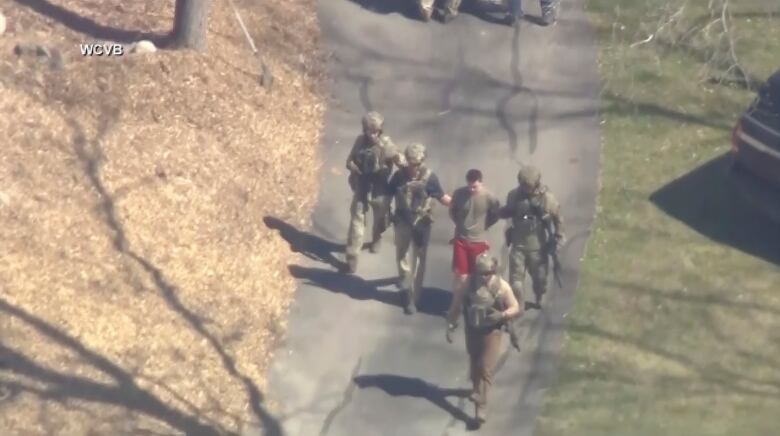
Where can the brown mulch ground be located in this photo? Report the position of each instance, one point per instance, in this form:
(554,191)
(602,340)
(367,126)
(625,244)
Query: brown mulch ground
(140,291)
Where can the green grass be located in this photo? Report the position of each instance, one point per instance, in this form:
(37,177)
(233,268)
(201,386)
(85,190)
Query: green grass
(676,325)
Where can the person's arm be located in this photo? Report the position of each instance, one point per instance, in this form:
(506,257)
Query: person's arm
(392,185)
(513,308)
(456,305)
(391,155)
(494,208)
(351,166)
(435,190)
(454,206)
(553,211)
(509,208)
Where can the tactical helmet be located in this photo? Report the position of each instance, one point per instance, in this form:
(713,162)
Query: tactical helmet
(373,121)
(485,263)
(529,175)
(415,154)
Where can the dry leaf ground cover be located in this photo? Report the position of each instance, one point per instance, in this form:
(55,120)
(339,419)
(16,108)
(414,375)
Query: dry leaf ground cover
(140,291)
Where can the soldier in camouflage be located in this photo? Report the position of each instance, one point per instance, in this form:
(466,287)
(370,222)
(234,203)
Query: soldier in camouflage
(487,305)
(370,163)
(536,228)
(414,188)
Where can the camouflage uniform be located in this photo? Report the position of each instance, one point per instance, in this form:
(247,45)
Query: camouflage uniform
(370,163)
(414,195)
(450,9)
(536,223)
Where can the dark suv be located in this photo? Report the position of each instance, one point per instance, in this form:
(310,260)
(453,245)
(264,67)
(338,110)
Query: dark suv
(756,149)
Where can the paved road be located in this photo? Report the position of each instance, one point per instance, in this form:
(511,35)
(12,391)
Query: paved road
(479,95)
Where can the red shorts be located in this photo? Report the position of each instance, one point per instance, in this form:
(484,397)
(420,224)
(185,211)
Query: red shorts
(464,255)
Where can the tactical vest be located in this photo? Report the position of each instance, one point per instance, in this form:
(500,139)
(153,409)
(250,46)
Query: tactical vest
(369,159)
(412,200)
(528,225)
(480,301)
(375,172)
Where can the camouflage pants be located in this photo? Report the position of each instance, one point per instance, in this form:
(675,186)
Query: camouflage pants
(533,262)
(484,350)
(357,223)
(411,249)
(451,6)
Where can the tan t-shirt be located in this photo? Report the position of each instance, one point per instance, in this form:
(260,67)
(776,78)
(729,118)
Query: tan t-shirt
(473,213)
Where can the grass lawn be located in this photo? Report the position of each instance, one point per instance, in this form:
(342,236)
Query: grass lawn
(676,325)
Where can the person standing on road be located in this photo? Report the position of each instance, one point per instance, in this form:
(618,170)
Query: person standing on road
(414,189)
(474,210)
(516,11)
(536,229)
(370,164)
(489,304)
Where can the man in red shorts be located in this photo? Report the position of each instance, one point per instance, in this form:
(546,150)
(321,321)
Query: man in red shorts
(473,210)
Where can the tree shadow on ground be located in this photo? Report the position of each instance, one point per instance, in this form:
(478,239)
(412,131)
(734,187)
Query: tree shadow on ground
(706,200)
(89,27)
(91,157)
(434,301)
(49,384)
(400,386)
(717,375)
(311,246)
(691,296)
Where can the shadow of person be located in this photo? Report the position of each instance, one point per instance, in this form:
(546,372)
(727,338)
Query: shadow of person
(406,8)
(433,301)
(400,386)
(706,200)
(309,245)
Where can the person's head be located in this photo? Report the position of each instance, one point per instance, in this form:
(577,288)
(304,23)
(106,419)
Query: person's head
(474,179)
(529,177)
(486,266)
(415,156)
(373,123)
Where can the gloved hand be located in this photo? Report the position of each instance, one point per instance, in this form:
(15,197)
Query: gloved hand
(494,317)
(354,168)
(560,240)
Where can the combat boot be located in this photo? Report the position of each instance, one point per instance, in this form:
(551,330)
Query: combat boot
(425,13)
(411,307)
(351,265)
(511,19)
(447,15)
(548,15)
(538,296)
(479,414)
(376,244)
